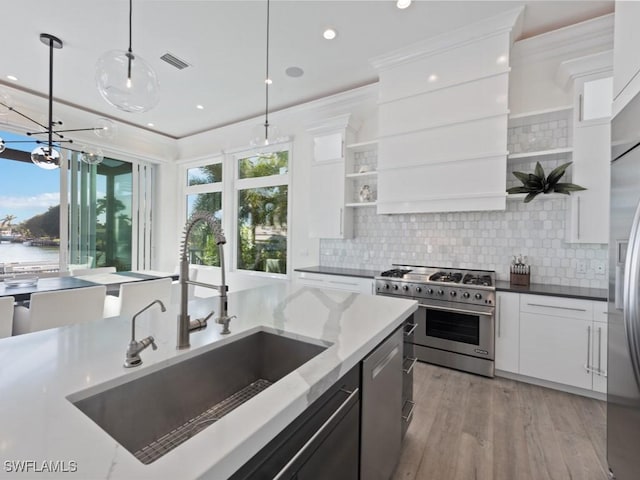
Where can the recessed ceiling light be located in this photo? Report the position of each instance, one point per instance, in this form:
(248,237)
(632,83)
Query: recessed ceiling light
(268,81)
(402,4)
(200,107)
(294,72)
(329,34)
(150,124)
(433,77)
(12,78)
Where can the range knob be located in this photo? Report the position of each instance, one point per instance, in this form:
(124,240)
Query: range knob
(395,287)
(440,292)
(466,295)
(405,288)
(478,296)
(453,293)
(430,291)
(386,286)
(418,289)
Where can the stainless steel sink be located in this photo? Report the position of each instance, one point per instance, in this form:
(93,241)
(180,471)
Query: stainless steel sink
(152,414)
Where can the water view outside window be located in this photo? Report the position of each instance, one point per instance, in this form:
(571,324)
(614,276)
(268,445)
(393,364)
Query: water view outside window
(100,217)
(262,212)
(29,210)
(204,194)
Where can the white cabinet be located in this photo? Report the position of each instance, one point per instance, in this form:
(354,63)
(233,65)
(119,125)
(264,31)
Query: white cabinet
(626,61)
(336,282)
(328,217)
(507,331)
(588,212)
(563,340)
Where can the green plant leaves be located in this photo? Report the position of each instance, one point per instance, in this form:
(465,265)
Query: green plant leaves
(536,183)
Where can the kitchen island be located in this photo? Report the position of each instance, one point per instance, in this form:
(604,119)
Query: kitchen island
(39,424)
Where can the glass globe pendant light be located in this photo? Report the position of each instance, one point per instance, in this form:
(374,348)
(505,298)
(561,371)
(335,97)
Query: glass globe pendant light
(125,80)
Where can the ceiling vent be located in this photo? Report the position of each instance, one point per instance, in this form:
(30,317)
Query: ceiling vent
(174,61)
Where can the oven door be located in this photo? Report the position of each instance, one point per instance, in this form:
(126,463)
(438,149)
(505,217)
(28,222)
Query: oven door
(459,330)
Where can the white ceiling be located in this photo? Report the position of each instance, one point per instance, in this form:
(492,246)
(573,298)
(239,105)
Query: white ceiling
(224,43)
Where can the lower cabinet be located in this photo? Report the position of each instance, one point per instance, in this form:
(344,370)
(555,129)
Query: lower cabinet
(564,340)
(323,442)
(337,282)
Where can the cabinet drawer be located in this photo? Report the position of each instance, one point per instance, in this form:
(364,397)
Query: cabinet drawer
(557,306)
(337,282)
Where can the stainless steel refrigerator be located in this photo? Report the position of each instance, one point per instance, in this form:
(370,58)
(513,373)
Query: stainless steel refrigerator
(623,381)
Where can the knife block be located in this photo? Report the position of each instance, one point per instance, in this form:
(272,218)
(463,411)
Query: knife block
(520,279)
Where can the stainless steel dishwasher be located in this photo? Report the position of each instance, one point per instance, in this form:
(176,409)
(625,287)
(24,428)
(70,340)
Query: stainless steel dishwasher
(381,434)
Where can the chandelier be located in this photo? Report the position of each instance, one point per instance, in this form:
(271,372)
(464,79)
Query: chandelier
(46,155)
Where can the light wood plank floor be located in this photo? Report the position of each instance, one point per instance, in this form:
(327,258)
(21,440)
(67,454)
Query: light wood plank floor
(467,427)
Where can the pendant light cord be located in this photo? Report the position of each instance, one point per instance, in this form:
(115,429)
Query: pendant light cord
(130,51)
(267,81)
(50,152)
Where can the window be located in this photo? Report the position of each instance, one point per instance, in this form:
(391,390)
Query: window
(204,194)
(262,188)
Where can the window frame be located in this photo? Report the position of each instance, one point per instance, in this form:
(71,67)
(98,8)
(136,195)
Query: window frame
(217,187)
(259,182)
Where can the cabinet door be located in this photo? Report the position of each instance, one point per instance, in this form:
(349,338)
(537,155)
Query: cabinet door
(599,357)
(328,147)
(589,209)
(507,331)
(328,217)
(555,348)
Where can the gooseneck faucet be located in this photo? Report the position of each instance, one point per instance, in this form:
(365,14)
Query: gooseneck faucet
(185,324)
(132,357)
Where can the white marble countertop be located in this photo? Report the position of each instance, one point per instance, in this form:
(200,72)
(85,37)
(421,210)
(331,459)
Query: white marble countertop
(39,371)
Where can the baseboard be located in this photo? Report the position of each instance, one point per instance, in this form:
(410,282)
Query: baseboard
(552,385)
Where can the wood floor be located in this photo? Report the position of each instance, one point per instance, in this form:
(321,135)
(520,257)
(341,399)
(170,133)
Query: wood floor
(467,427)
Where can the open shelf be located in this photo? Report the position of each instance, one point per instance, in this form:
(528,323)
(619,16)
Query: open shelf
(539,153)
(542,196)
(368,145)
(371,173)
(361,204)
(546,111)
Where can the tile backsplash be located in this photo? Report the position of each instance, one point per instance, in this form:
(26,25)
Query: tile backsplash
(481,240)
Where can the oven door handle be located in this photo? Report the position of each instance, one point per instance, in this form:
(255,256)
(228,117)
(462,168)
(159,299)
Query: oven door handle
(457,310)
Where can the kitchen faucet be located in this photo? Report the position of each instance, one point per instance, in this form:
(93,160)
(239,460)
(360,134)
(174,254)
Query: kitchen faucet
(185,324)
(132,357)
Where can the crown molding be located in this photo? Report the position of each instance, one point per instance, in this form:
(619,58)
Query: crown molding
(508,21)
(339,122)
(578,40)
(569,70)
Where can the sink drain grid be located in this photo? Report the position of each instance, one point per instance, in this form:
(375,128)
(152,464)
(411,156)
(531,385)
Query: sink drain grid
(171,440)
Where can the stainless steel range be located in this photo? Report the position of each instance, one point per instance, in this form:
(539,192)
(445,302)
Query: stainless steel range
(455,320)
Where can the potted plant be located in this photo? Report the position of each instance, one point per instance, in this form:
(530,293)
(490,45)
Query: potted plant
(536,183)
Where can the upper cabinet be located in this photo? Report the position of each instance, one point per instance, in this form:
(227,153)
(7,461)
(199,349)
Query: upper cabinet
(442,122)
(329,216)
(626,61)
(590,78)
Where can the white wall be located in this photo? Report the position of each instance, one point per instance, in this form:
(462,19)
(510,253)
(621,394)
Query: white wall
(292,122)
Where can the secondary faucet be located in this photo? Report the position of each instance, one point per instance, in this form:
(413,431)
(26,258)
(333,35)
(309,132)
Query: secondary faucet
(185,324)
(132,357)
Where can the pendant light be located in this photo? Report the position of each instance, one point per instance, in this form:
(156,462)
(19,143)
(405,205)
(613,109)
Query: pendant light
(46,155)
(266,134)
(125,80)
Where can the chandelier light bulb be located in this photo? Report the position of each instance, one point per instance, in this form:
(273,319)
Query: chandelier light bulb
(92,155)
(45,159)
(105,128)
